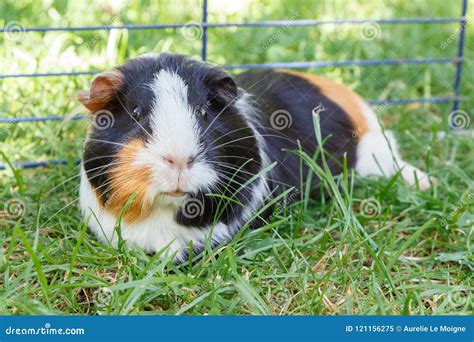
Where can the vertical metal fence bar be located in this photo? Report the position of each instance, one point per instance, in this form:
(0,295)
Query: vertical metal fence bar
(462,32)
(204,30)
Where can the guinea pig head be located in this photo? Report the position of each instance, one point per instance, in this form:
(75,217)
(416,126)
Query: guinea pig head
(165,130)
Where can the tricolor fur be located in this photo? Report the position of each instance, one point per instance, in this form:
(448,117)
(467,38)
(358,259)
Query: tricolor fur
(185,138)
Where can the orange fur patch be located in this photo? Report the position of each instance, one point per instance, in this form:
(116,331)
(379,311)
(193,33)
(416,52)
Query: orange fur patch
(127,179)
(340,94)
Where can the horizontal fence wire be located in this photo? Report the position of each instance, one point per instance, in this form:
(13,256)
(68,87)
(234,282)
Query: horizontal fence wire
(33,164)
(457,61)
(292,65)
(42,118)
(273,23)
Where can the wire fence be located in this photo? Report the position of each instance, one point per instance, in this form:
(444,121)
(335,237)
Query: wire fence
(204,25)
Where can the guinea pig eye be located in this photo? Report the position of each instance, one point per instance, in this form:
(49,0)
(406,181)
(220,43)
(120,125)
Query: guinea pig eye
(137,113)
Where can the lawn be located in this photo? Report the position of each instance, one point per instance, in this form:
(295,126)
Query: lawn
(374,246)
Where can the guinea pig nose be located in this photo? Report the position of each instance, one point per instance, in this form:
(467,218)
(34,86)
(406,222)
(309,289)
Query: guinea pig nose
(178,162)
(169,160)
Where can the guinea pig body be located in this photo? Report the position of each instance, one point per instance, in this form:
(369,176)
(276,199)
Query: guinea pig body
(180,152)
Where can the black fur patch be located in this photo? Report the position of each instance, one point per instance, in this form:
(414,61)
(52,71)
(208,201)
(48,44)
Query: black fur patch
(277,93)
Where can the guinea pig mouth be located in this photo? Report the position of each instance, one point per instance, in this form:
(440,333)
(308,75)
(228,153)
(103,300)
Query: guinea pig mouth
(175,193)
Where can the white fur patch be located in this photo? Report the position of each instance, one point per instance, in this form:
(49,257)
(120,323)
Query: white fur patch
(378,155)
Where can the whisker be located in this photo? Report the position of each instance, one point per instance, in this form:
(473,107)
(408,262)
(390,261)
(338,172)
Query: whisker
(246,137)
(75,176)
(232,167)
(107,142)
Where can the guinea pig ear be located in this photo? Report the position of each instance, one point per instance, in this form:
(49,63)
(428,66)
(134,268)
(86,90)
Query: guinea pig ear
(222,84)
(103,89)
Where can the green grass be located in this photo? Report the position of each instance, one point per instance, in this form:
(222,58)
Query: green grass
(316,256)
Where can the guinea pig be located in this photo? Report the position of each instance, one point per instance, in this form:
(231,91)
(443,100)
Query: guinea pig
(180,152)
